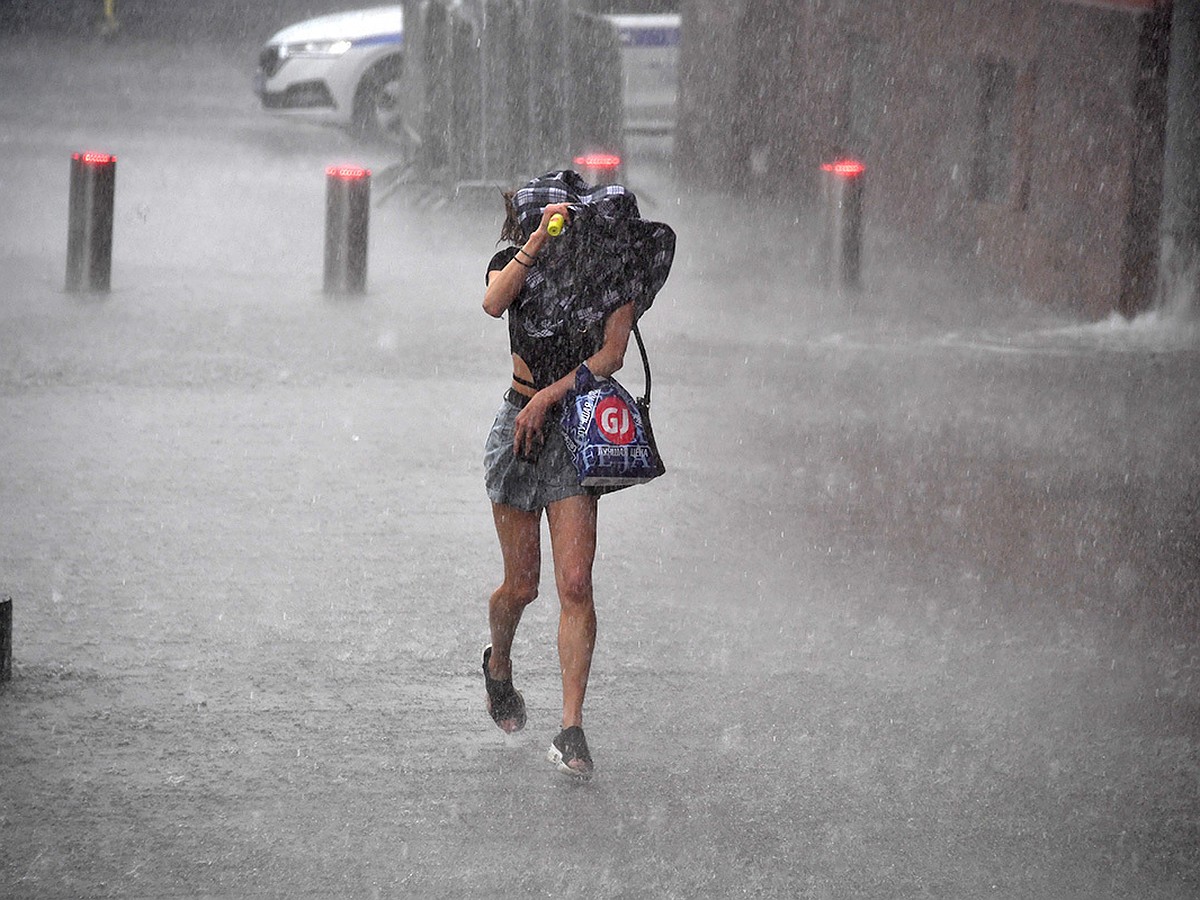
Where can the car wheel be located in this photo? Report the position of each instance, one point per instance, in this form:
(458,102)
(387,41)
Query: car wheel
(381,107)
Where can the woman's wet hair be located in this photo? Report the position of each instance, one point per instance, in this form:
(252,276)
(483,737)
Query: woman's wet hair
(511,230)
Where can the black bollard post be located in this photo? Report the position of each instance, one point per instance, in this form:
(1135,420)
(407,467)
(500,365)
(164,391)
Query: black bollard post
(90,223)
(1179,228)
(347,214)
(6,640)
(843,193)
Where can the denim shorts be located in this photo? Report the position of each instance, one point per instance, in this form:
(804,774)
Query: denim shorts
(530,486)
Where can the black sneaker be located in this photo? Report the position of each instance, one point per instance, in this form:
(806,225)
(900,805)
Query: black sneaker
(569,753)
(505,704)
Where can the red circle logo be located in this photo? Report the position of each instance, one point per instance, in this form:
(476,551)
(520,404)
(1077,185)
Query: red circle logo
(615,420)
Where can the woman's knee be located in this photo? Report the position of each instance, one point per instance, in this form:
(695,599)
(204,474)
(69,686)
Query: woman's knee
(575,587)
(521,592)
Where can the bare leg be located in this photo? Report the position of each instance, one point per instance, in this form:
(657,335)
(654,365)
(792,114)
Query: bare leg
(573,541)
(521,545)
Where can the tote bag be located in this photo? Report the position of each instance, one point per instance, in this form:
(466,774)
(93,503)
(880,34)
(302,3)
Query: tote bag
(608,432)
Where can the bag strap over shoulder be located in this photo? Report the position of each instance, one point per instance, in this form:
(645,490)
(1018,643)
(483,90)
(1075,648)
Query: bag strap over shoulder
(645,399)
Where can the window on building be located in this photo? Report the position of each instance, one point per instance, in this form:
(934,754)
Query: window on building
(991,169)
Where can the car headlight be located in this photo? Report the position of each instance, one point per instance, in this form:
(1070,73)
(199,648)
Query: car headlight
(314,49)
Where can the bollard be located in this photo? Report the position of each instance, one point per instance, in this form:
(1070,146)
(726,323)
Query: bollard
(347,213)
(90,222)
(6,640)
(599,169)
(843,193)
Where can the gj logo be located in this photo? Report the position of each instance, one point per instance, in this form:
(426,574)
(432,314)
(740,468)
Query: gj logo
(615,420)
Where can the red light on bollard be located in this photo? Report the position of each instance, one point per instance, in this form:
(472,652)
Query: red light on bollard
(598,161)
(94,159)
(348,173)
(598,169)
(847,168)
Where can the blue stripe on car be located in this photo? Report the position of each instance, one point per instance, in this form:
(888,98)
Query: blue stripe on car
(377,40)
(650,37)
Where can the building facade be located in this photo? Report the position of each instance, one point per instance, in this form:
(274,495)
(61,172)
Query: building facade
(1023,135)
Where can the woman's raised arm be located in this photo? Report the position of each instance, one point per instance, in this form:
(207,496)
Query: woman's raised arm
(504,285)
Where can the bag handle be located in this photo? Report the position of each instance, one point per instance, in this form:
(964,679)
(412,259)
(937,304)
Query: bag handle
(644,400)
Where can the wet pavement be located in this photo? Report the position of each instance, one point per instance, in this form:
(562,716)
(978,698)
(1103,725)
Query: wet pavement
(913,613)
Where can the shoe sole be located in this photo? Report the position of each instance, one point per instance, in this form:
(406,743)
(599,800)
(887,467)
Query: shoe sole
(555,756)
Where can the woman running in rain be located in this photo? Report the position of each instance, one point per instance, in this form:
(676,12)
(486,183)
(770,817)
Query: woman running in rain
(557,320)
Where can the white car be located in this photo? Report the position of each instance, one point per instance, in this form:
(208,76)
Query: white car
(341,69)
(650,64)
(346,69)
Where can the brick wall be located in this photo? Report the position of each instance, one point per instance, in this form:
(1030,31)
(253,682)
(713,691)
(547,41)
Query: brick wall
(1009,133)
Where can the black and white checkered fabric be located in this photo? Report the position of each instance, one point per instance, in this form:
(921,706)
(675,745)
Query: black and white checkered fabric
(607,257)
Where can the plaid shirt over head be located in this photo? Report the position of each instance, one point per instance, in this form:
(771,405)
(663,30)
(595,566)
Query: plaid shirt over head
(607,257)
